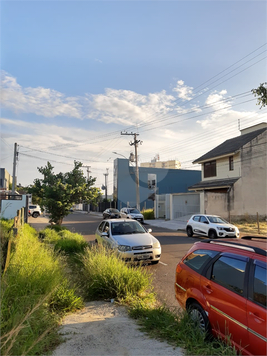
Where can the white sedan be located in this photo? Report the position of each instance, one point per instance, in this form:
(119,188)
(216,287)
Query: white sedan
(132,241)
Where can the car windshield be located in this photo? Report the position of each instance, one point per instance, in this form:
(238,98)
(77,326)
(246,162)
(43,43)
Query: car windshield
(114,211)
(217,220)
(134,211)
(127,227)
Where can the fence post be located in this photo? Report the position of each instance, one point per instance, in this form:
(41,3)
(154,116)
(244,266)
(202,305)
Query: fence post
(258,223)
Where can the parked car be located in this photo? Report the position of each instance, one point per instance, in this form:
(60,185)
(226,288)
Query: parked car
(222,284)
(132,241)
(132,213)
(111,214)
(34,210)
(212,226)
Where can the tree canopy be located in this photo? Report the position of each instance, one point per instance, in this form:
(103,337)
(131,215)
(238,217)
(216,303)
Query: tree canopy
(261,93)
(58,192)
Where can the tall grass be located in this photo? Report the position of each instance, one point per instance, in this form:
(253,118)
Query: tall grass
(33,284)
(178,329)
(6,235)
(106,276)
(64,240)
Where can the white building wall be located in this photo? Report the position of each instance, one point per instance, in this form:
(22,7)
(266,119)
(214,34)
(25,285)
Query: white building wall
(222,168)
(216,204)
(9,208)
(250,191)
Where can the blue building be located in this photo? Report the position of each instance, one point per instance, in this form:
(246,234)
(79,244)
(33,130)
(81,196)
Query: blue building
(167,181)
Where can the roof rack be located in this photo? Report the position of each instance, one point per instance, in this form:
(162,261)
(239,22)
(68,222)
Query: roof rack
(258,250)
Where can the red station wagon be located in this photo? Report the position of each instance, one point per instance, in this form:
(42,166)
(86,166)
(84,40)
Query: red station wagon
(222,283)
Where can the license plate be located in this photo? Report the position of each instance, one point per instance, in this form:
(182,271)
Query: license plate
(143,257)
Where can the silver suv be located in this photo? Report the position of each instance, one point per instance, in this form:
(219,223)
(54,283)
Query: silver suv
(212,226)
(34,210)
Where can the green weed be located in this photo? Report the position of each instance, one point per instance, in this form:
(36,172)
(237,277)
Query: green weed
(33,285)
(64,240)
(105,275)
(178,329)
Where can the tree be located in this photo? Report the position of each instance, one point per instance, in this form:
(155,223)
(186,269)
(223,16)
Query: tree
(261,93)
(58,192)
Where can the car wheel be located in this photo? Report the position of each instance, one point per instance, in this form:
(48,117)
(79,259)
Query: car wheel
(189,231)
(199,316)
(212,234)
(35,215)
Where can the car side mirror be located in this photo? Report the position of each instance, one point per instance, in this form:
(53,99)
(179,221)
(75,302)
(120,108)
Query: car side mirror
(105,234)
(206,222)
(149,230)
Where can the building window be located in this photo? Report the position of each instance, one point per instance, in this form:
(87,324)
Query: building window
(210,169)
(231,163)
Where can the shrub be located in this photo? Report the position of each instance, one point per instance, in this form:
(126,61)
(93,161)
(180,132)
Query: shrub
(148,214)
(105,275)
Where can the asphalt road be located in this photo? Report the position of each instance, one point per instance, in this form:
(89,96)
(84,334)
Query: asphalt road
(174,246)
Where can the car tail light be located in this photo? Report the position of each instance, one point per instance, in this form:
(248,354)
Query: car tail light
(178,269)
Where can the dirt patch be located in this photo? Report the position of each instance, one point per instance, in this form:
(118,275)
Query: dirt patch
(105,329)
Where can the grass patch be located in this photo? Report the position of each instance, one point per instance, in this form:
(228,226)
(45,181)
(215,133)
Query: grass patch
(148,214)
(34,293)
(63,240)
(178,329)
(250,227)
(106,276)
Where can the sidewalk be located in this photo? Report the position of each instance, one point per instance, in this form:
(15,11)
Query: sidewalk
(167,224)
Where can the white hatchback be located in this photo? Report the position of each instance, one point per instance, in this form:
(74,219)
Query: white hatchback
(212,226)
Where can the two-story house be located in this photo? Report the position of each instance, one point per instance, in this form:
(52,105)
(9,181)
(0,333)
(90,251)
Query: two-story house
(234,178)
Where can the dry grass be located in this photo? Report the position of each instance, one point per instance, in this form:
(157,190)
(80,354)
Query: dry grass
(251,228)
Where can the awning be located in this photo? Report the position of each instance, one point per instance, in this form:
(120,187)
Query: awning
(214,184)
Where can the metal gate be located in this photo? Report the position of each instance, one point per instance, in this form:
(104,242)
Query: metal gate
(161,203)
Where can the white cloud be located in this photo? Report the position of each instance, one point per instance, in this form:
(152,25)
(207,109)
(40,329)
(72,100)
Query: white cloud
(183,91)
(39,101)
(127,107)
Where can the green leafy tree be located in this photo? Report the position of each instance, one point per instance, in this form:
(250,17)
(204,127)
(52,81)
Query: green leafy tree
(261,93)
(58,192)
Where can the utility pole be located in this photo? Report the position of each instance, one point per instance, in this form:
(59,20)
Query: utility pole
(135,143)
(14,168)
(106,183)
(88,171)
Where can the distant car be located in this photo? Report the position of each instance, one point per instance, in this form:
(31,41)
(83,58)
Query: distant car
(223,285)
(132,241)
(212,226)
(111,214)
(132,213)
(34,210)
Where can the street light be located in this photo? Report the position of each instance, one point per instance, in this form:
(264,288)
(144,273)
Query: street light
(116,153)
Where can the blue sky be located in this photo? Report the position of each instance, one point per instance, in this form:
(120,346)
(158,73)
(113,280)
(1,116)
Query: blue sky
(77,73)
